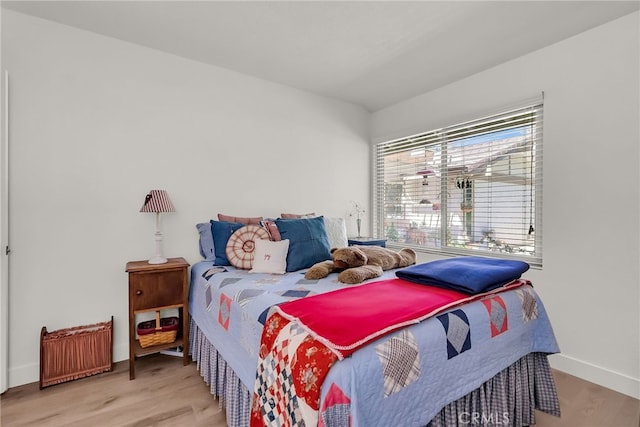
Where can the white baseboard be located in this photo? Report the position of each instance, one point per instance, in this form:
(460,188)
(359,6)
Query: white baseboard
(120,351)
(30,373)
(24,374)
(604,377)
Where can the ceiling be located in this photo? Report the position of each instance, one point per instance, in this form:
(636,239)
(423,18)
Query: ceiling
(371,53)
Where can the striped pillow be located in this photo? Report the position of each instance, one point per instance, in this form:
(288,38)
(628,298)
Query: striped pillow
(240,219)
(272,228)
(296,216)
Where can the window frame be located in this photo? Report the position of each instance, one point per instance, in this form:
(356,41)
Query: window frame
(439,137)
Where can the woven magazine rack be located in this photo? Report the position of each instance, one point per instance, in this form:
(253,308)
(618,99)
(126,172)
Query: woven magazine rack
(72,353)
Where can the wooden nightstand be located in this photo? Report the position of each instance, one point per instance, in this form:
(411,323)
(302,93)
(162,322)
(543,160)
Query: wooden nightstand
(367,241)
(154,287)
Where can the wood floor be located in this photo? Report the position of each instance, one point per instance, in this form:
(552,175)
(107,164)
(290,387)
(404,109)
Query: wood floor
(165,393)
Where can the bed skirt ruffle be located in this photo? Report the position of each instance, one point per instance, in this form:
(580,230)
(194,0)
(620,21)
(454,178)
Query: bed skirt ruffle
(232,395)
(509,398)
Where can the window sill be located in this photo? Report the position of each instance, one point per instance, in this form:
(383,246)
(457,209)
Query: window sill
(452,252)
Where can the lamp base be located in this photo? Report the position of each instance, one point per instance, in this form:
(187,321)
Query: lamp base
(157,260)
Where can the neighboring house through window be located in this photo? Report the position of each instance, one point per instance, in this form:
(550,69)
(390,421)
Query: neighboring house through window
(472,188)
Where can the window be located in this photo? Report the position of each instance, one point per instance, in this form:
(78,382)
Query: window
(471,188)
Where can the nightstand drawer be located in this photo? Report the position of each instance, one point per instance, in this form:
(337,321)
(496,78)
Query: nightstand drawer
(150,290)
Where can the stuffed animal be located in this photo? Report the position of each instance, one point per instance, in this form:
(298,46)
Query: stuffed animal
(359,263)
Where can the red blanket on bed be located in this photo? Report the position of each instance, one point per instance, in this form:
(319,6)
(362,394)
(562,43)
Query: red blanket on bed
(302,339)
(341,321)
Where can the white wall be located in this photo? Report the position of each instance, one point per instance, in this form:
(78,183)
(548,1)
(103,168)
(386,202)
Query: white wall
(97,122)
(590,279)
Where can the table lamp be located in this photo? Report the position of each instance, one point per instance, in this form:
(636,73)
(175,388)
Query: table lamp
(157,201)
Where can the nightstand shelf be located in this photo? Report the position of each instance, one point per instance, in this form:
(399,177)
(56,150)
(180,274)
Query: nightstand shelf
(158,287)
(139,351)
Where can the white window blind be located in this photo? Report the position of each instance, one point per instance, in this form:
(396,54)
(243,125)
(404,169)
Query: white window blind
(471,188)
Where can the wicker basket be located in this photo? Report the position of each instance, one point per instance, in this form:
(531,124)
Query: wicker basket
(77,352)
(158,331)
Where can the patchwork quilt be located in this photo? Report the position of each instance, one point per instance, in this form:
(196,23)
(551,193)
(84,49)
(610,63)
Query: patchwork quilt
(402,378)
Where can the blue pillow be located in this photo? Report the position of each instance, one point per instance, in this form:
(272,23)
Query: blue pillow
(308,241)
(206,241)
(221,231)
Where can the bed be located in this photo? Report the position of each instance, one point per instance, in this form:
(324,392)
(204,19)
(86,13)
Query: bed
(483,361)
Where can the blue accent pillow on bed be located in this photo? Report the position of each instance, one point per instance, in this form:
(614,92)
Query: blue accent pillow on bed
(308,241)
(206,241)
(221,231)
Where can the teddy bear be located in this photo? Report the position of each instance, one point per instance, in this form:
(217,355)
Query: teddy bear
(359,263)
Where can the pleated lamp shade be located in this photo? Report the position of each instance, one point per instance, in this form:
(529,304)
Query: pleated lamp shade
(157,201)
